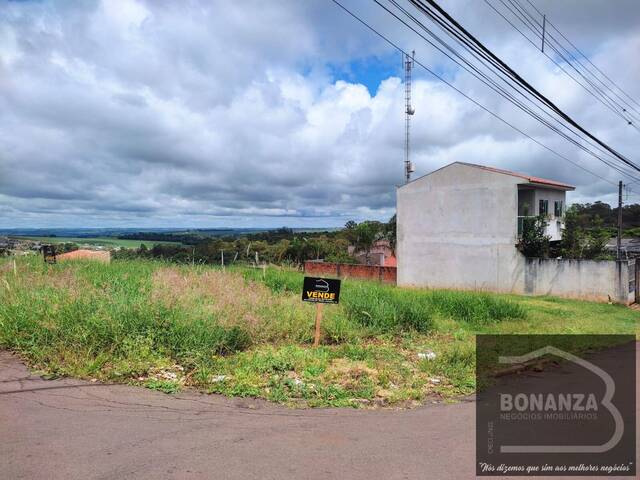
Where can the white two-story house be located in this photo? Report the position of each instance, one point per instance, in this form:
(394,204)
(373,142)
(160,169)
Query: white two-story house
(542,197)
(458,226)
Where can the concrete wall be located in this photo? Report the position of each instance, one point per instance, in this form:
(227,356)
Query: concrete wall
(344,270)
(586,279)
(457,228)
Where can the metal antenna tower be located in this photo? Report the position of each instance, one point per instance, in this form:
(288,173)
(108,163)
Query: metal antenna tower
(409,111)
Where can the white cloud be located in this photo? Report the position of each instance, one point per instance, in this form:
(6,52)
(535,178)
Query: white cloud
(174,114)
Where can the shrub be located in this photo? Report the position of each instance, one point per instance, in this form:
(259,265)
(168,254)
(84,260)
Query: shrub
(476,309)
(386,309)
(534,241)
(278,280)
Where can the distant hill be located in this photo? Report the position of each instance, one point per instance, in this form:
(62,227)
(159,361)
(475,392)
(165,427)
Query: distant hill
(125,232)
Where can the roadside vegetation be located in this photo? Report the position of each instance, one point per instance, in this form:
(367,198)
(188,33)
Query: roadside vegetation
(244,331)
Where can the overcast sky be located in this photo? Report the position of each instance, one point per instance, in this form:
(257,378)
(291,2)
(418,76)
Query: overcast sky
(269,113)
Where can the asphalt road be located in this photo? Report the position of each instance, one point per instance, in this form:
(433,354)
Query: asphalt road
(68,429)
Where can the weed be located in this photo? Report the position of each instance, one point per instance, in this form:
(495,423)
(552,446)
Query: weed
(166,386)
(245,332)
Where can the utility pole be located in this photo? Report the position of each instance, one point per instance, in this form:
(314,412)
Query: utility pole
(409,111)
(619,240)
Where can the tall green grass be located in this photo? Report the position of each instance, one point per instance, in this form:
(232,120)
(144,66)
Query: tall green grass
(279,280)
(100,311)
(136,320)
(387,309)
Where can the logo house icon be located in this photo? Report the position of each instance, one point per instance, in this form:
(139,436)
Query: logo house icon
(606,402)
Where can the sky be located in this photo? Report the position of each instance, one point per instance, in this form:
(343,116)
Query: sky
(133,113)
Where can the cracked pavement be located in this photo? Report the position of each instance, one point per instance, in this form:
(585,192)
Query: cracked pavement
(72,429)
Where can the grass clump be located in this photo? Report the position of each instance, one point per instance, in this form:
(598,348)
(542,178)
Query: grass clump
(106,311)
(387,310)
(475,308)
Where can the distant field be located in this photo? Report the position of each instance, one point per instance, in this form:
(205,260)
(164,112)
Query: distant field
(97,241)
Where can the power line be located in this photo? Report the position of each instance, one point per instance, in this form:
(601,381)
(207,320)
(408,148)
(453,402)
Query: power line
(473,70)
(465,43)
(627,107)
(440,16)
(626,112)
(597,92)
(443,80)
(585,57)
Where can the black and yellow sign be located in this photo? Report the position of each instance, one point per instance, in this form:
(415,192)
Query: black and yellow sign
(321,290)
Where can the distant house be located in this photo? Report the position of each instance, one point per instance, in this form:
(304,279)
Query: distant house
(630,247)
(99,256)
(380,254)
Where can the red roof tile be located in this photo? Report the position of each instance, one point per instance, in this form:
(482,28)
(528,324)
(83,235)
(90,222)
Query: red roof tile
(529,178)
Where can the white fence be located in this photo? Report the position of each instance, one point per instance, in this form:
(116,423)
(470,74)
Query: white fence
(598,280)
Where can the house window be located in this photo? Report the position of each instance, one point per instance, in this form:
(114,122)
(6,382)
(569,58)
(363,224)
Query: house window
(558,208)
(543,207)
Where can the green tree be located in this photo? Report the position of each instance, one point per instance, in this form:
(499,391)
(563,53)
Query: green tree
(582,243)
(573,237)
(534,241)
(390,233)
(366,234)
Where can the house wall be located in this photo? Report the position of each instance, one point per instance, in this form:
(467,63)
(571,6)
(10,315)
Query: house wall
(550,195)
(380,254)
(585,279)
(554,229)
(457,228)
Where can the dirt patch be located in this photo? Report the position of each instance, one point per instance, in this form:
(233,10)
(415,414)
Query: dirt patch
(350,374)
(227,295)
(99,256)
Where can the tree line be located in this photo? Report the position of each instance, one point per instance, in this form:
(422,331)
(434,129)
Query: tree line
(600,215)
(281,246)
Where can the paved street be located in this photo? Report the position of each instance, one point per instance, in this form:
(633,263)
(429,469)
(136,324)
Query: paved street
(68,429)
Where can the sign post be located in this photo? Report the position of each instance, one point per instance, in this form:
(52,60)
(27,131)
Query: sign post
(316,338)
(320,291)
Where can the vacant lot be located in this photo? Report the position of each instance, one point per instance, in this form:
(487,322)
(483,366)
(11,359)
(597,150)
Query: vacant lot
(245,332)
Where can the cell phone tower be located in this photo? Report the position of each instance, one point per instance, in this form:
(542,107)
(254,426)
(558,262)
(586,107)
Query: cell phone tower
(409,111)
